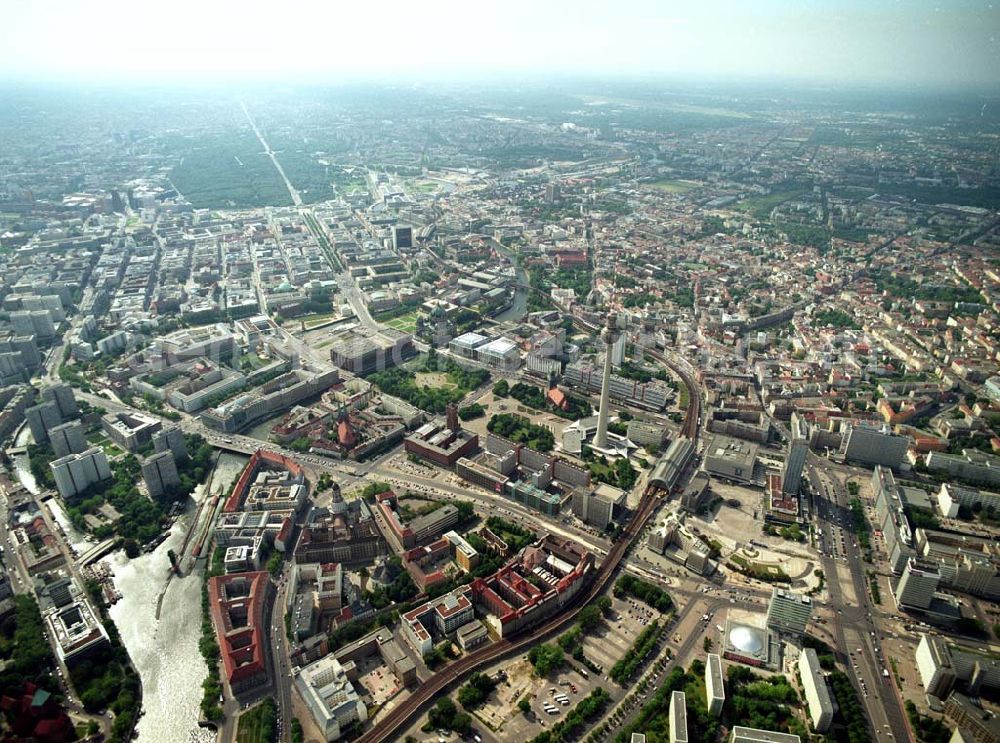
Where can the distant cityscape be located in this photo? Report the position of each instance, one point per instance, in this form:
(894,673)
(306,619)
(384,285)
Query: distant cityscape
(565,413)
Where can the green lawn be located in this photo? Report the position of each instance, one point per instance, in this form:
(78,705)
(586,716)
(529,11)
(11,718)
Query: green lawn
(258,724)
(404,323)
(254,361)
(678,186)
(110,448)
(683,397)
(423,187)
(99,438)
(761,206)
(597,470)
(434,380)
(759,570)
(351,186)
(309,321)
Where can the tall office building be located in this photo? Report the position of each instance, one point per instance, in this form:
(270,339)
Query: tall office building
(935,666)
(62,396)
(678,723)
(19,357)
(820,703)
(68,438)
(51,302)
(798,447)
(35,322)
(917,585)
(402,236)
(74,473)
(788,613)
(871,445)
(596,507)
(741,734)
(159,472)
(715,690)
(42,418)
(891,518)
(171,438)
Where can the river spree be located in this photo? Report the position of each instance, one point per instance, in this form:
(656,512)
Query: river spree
(519,307)
(164,648)
(75,538)
(158,616)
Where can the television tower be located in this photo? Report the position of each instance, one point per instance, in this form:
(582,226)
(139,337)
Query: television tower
(609,335)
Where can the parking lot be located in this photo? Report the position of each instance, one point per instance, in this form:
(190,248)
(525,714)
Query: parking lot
(603,647)
(628,618)
(500,713)
(402,463)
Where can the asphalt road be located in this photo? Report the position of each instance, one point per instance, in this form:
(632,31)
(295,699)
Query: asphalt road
(282,668)
(296,199)
(504,507)
(455,671)
(857,633)
(680,656)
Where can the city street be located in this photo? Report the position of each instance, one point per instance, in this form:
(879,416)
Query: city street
(855,626)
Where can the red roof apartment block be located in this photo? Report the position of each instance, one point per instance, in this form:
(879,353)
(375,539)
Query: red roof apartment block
(260,459)
(546,576)
(237,602)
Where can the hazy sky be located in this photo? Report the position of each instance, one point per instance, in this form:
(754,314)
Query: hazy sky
(845,41)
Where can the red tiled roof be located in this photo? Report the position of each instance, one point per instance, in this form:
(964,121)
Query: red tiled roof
(242,648)
(557,396)
(346,435)
(259,458)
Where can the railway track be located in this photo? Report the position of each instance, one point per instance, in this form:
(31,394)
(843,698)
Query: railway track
(693,413)
(389,726)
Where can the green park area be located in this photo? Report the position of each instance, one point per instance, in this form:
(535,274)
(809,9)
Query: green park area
(431,382)
(423,187)
(348,179)
(226,171)
(761,206)
(258,725)
(521,430)
(759,570)
(139,519)
(404,323)
(674,186)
